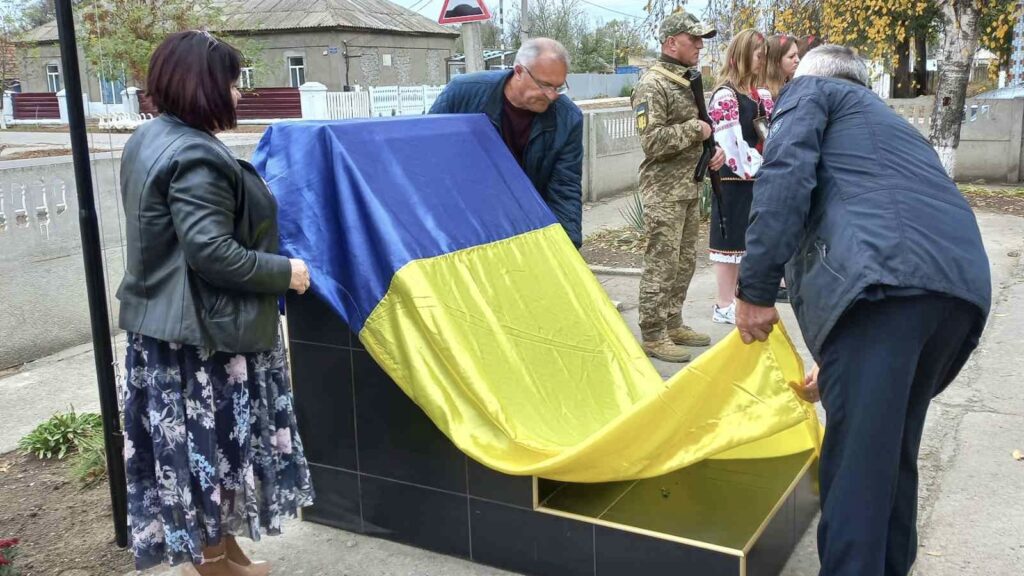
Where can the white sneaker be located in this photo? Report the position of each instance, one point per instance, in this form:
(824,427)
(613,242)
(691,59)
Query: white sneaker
(725,315)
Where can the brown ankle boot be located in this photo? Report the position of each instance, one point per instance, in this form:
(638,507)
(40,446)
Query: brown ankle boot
(666,350)
(215,563)
(215,566)
(686,336)
(240,564)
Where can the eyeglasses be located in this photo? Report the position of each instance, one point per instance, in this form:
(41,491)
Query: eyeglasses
(563,89)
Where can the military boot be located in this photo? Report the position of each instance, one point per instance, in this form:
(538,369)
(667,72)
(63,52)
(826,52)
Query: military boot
(686,336)
(666,350)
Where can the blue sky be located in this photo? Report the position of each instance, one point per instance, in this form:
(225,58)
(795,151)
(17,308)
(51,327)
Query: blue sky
(598,10)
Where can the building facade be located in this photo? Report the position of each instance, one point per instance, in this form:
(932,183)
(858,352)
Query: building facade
(338,43)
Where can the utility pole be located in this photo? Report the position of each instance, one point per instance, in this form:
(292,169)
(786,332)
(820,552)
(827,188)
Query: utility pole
(524,21)
(473,46)
(92,254)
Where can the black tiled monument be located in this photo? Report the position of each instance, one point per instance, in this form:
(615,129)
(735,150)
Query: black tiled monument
(381,467)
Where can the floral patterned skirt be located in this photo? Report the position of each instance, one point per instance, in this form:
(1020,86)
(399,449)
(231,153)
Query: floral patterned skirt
(211,448)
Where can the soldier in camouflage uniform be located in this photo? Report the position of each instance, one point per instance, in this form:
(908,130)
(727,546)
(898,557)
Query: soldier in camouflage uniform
(672,138)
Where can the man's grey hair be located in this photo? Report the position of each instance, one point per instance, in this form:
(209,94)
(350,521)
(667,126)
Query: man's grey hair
(833,61)
(534,48)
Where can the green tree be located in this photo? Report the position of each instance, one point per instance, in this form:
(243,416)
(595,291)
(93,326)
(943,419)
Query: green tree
(624,39)
(35,13)
(727,16)
(565,21)
(9,29)
(592,53)
(119,36)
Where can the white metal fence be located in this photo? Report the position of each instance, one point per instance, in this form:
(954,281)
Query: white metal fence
(382,101)
(345,105)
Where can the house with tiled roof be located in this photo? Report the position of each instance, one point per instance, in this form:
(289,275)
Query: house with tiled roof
(335,42)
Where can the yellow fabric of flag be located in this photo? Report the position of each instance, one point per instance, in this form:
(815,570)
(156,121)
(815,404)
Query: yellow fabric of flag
(515,352)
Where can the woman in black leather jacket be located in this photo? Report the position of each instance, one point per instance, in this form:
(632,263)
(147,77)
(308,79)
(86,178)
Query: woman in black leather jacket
(212,447)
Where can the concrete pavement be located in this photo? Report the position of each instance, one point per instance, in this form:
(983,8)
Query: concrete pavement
(14,141)
(971,487)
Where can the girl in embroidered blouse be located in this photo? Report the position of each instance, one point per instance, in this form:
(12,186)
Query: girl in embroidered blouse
(782,58)
(738,106)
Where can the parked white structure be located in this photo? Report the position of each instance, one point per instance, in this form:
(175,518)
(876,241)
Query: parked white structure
(373,102)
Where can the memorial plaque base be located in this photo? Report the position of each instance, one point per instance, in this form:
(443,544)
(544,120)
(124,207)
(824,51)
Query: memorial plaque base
(380,467)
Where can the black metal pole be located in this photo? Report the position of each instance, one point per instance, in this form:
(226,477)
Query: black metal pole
(92,253)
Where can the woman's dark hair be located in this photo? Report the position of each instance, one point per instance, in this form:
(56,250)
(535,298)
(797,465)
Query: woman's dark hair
(190,77)
(808,43)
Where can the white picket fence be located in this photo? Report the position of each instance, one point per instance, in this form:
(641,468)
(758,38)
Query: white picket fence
(382,101)
(345,105)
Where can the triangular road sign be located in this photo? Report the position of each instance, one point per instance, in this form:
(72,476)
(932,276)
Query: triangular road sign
(462,11)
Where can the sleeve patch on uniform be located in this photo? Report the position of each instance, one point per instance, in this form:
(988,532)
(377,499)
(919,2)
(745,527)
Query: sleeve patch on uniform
(641,116)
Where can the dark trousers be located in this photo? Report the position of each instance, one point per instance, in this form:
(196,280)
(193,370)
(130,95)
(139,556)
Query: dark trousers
(880,367)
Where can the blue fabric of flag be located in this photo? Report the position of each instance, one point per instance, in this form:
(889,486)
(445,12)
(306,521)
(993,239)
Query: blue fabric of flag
(360,199)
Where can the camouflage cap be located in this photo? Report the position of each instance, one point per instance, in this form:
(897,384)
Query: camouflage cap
(682,21)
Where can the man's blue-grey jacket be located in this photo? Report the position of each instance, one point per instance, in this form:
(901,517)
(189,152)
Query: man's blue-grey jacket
(553,159)
(852,197)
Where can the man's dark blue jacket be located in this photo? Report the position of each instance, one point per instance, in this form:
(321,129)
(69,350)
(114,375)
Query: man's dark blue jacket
(553,159)
(854,199)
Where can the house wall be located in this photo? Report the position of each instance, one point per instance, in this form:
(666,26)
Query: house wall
(32,62)
(414,60)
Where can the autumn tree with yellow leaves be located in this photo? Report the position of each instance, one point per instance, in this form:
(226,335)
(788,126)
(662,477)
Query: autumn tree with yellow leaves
(883,30)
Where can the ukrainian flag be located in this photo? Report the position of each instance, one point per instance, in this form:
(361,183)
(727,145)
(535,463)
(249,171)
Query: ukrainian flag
(427,238)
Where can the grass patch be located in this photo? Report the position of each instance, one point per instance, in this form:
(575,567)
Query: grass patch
(1000,191)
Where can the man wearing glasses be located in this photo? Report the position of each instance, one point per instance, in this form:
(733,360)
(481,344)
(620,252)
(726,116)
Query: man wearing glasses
(541,126)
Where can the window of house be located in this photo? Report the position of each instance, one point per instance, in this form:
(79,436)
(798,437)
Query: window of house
(110,90)
(53,78)
(297,70)
(385,59)
(245,81)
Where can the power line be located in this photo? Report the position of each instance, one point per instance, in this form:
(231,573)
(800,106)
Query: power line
(611,10)
(418,5)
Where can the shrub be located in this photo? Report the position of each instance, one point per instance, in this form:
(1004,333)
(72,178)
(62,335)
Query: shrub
(633,213)
(90,464)
(705,200)
(60,434)
(8,552)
